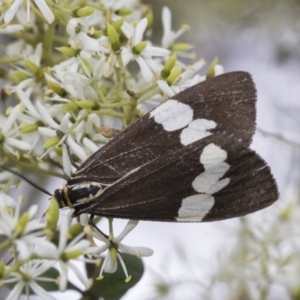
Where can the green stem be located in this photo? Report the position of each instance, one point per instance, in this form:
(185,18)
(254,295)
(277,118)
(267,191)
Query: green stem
(8,184)
(149,95)
(48,44)
(71,128)
(8,60)
(115,105)
(123,71)
(111,112)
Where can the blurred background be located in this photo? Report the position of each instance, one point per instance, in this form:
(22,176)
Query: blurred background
(256,257)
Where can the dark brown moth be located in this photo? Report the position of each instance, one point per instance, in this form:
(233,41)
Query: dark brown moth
(188,160)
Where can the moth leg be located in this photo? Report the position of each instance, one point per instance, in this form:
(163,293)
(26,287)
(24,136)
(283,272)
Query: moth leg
(73,163)
(91,223)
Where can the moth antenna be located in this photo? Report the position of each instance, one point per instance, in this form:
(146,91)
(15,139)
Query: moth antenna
(26,179)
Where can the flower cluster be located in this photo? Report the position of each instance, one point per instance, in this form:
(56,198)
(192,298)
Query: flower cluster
(71,75)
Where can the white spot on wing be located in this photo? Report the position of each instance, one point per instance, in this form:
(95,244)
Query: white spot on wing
(172,115)
(197,130)
(194,208)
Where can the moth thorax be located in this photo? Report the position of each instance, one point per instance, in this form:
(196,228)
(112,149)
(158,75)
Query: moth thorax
(81,193)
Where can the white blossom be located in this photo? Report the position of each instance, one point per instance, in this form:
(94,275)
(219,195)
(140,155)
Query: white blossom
(29,278)
(41,4)
(113,245)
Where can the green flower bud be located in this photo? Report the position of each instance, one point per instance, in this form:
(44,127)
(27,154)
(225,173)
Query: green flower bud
(18,76)
(22,223)
(68,51)
(86,104)
(181,47)
(175,73)
(69,106)
(56,88)
(84,12)
(149,17)
(58,151)
(139,48)
(211,69)
(113,37)
(71,255)
(123,11)
(169,65)
(75,229)
(52,215)
(31,66)
(87,66)
(113,253)
(53,141)
(118,24)
(30,128)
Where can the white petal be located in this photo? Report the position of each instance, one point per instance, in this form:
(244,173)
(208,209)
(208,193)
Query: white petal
(24,249)
(38,54)
(45,10)
(128,228)
(47,132)
(79,274)
(16,291)
(77,150)
(64,227)
(155,51)
(138,251)
(24,98)
(11,29)
(64,124)
(18,144)
(139,31)
(10,13)
(33,211)
(63,280)
(111,264)
(39,291)
(46,116)
(66,161)
(10,121)
(96,250)
(165,88)
(145,70)
(90,145)
(87,42)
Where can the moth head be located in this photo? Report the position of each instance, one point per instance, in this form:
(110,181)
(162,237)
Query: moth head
(59,196)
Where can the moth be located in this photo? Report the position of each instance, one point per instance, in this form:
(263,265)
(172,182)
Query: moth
(187,160)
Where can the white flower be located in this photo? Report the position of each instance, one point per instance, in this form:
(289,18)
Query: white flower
(65,252)
(144,59)
(78,30)
(28,278)
(169,36)
(41,4)
(9,133)
(20,229)
(115,248)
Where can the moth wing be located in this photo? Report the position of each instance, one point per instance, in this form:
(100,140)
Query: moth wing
(224,104)
(212,179)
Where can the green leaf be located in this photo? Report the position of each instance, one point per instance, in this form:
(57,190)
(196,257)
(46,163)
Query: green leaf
(113,286)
